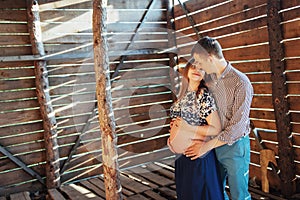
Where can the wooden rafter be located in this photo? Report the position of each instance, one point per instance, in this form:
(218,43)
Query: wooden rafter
(78,140)
(113,188)
(280,101)
(57,56)
(43,96)
(190,19)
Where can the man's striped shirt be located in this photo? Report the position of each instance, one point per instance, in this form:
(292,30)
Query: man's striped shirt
(233,94)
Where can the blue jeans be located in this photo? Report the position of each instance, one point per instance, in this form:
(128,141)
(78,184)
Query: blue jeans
(234,163)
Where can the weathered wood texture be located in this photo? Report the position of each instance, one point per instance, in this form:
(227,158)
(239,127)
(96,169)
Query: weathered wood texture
(43,96)
(242,29)
(280,101)
(21,130)
(104,101)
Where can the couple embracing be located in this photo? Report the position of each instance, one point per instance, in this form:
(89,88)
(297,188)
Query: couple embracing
(214,117)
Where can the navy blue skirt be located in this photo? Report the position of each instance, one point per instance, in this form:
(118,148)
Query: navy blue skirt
(198,179)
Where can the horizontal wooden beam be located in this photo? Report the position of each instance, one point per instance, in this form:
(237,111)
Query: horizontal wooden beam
(78,56)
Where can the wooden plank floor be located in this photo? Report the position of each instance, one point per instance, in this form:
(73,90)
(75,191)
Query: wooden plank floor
(154,181)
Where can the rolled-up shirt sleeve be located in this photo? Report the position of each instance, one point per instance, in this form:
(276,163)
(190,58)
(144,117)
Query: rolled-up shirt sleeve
(239,124)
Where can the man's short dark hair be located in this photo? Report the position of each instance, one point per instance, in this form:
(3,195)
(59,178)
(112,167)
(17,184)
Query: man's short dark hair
(208,45)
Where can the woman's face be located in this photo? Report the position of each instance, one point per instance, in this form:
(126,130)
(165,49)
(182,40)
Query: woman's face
(195,73)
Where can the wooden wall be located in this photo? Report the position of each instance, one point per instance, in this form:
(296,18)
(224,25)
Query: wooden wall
(140,88)
(241,28)
(141,85)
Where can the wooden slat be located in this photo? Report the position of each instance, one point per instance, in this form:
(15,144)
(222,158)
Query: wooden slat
(136,74)
(262,88)
(142,90)
(76,192)
(137,197)
(153,195)
(13,28)
(16,177)
(257,52)
(291,49)
(293,88)
(129,27)
(250,37)
(290,14)
(142,158)
(295,117)
(19,139)
(263,77)
(235,28)
(8,4)
(259,66)
(290,29)
(156,80)
(289,4)
(133,186)
(292,64)
(140,147)
(15,51)
(17,73)
(21,106)
(16,84)
(261,114)
(294,102)
(14,39)
(246,53)
(88,185)
(135,175)
(20,196)
(13,15)
(232,11)
(31,187)
(262,102)
(171,194)
(18,117)
(162,170)
(54,194)
(193,5)
(264,124)
(17,95)
(153,177)
(21,129)
(98,182)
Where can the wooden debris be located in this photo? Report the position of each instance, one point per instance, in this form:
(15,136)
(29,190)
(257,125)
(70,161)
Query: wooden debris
(266,156)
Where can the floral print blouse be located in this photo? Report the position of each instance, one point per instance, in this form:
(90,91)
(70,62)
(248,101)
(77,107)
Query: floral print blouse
(194,110)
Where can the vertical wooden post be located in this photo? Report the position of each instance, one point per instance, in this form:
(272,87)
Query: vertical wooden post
(280,101)
(174,78)
(113,187)
(42,89)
